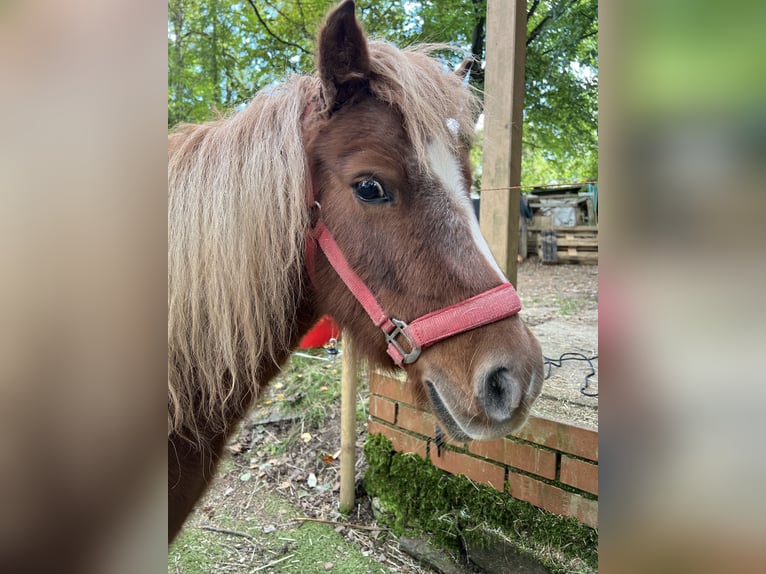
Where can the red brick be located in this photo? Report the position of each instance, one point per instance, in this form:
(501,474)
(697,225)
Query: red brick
(522,456)
(383,409)
(424,422)
(399,391)
(476,469)
(553,499)
(583,509)
(560,436)
(451,442)
(416,420)
(580,474)
(402,442)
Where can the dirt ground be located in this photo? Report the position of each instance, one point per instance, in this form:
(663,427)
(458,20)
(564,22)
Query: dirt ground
(284,465)
(560,305)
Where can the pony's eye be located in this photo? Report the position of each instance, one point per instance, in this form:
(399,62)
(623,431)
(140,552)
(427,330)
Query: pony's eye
(370,191)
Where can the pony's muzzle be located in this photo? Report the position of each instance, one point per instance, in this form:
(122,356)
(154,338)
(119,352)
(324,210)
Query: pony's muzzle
(499,394)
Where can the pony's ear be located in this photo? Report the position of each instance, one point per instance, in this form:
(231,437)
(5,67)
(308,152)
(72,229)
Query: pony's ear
(464,68)
(343,60)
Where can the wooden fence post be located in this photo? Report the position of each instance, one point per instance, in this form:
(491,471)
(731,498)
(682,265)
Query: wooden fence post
(347,427)
(503,119)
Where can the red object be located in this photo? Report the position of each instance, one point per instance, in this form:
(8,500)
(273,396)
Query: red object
(492,305)
(320,334)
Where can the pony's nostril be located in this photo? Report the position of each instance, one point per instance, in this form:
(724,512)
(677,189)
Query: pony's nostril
(499,394)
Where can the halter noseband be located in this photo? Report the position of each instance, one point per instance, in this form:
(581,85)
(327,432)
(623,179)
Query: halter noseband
(487,307)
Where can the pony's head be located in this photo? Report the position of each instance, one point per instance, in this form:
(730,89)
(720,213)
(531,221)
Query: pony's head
(387,150)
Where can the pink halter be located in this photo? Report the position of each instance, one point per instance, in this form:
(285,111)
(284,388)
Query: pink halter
(490,306)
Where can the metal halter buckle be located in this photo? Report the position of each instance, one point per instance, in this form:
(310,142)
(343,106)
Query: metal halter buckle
(414,353)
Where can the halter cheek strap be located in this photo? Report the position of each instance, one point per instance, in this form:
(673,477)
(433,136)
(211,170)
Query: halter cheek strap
(488,307)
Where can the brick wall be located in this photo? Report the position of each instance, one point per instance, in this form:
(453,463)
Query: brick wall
(549,464)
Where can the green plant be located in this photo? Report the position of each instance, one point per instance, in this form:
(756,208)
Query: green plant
(569,306)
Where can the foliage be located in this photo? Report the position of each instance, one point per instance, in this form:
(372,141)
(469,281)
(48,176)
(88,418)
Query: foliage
(561,95)
(221,52)
(306,389)
(454,509)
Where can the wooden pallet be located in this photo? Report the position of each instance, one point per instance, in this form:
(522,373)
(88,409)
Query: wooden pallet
(589,257)
(567,245)
(569,255)
(580,232)
(584,244)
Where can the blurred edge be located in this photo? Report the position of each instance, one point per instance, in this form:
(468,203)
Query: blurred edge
(82,295)
(683,152)
(83,307)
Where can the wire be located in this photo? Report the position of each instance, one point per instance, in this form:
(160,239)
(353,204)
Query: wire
(549,363)
(543,186)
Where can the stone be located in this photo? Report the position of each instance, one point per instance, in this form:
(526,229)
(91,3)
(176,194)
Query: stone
(422,550)
(502,558)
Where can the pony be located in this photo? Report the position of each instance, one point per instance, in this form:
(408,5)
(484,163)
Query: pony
(342,193)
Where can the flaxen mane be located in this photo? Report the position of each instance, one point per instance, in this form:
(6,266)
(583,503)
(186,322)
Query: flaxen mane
(237,220)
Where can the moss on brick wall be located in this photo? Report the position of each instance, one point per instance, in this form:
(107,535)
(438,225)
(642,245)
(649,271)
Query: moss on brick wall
(455,510)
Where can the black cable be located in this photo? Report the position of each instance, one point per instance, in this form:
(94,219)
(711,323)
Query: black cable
(439,439)
(574,357)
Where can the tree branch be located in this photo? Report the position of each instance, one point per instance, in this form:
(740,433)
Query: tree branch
(477,34)
(532,9)
(478,40)
(552,15)
(588,35)
(281,13)
(336,523)
(306,33)
(270,564)
(539,28)
(225,531)
(272,34)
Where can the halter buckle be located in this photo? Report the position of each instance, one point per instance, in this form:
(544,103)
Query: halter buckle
(399,326)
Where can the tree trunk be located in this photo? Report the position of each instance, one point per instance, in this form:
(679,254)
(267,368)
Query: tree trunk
(477,44)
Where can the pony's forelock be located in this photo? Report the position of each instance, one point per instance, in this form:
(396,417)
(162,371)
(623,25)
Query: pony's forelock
(431,98)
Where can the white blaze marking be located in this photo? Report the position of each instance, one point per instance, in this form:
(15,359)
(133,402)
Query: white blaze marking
(447,169)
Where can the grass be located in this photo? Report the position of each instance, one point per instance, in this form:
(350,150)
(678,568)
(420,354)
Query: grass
(193,552)
(307,388)
(303,548)
(317,544)
(569,306)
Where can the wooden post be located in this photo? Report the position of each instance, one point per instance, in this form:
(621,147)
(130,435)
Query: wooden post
(503,108)
(347,428)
